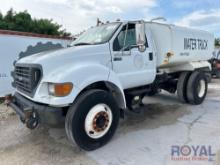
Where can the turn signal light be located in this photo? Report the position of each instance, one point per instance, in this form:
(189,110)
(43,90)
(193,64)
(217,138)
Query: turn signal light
(60,89)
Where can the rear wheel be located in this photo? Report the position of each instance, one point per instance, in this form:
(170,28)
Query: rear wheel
(92,120)
(197,88)
(182,86)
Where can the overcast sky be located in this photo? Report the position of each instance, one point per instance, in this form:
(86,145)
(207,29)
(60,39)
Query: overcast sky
(77,15)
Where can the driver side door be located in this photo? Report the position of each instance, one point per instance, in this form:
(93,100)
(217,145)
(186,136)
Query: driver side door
(134,68)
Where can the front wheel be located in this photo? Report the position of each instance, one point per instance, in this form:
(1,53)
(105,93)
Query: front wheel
(92,120)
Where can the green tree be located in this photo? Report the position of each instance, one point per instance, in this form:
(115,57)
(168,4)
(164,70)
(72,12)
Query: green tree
(9,16)
(23,21)
(3,25)
(1,16)
(217,42)
(45,26)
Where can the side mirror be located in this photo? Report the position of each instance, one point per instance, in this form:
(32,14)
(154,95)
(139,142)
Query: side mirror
(140,36)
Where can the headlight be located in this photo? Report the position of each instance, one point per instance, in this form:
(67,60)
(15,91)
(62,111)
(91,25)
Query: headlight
(60,89)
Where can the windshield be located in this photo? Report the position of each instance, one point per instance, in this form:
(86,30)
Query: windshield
(96,35)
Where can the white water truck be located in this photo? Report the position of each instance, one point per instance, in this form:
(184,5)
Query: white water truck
(106,71)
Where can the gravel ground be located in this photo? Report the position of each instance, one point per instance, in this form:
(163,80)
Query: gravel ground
(141,139)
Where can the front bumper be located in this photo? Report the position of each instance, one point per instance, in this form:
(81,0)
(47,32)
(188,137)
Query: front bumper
(45,114)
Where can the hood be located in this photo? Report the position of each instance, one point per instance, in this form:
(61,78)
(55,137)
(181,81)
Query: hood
(68,56)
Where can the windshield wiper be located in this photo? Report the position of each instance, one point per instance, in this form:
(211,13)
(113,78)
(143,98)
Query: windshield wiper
(82,43)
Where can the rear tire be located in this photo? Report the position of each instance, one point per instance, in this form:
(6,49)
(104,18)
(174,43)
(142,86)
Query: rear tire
(182,86)
(197,88)
(92,120)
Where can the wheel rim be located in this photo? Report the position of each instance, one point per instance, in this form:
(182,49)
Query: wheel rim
(201,88)
(98,121)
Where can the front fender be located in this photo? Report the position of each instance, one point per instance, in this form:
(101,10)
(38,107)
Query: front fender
(80,75)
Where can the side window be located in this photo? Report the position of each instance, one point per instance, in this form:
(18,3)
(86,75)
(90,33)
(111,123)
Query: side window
(121,42)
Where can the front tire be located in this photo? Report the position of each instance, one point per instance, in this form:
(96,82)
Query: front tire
(197,88)
(92,120)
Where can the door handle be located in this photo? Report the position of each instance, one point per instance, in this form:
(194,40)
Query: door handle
(151,57)
(117,59)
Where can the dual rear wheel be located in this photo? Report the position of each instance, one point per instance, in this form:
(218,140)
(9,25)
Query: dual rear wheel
(192,87)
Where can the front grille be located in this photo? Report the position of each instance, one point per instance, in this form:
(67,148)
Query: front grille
(26,78)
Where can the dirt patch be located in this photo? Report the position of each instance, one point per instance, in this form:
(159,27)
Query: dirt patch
(5,112)
(42,146)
